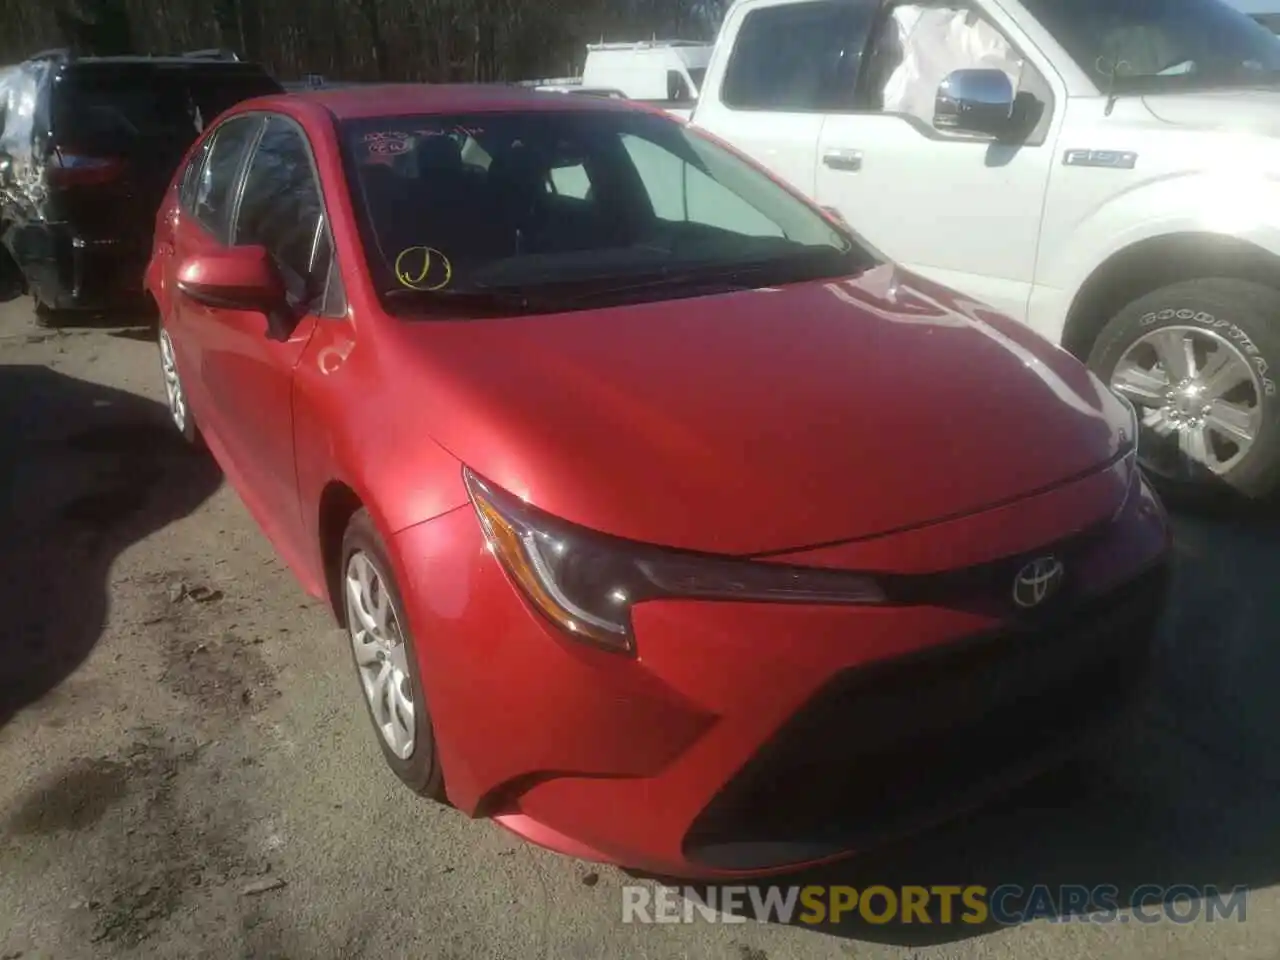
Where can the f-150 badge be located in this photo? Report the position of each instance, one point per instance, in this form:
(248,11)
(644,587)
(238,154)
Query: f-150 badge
(1112,159)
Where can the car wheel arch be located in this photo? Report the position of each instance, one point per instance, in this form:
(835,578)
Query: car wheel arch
(338,503)
(1149,264)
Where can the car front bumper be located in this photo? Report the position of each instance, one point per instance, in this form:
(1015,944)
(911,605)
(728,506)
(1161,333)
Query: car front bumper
(750,738)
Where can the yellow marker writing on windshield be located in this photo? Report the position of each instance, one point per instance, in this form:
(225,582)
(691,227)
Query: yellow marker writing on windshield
(423,268)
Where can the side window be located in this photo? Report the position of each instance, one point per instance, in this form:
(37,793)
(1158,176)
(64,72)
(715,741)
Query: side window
(915,49)
(682,193)
(798,56)
(213,190)
(282,210)
(677,89)
(191,178)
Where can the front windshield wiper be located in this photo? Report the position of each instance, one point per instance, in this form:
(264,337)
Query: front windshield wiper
(724,278)
(486,299)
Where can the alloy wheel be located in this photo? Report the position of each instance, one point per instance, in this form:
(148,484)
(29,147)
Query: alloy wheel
(1198,398)
(172,383)
(381,654)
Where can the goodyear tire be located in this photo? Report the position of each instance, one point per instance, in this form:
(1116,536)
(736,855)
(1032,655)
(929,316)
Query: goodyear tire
(1200,360)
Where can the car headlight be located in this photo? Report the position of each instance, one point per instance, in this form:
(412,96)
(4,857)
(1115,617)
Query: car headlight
(587,583)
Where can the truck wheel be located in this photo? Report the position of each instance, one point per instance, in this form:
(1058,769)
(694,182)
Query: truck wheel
(1199,360)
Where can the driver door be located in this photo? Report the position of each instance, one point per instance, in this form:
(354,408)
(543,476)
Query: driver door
(978,204)
(249,366)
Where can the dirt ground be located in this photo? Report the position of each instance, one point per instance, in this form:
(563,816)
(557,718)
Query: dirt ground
(186,769)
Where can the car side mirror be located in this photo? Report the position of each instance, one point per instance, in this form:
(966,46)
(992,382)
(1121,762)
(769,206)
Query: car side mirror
(6,169)
(238,278)
(976,102)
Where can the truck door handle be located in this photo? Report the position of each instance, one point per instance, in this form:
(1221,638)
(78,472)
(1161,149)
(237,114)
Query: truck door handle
(843,159)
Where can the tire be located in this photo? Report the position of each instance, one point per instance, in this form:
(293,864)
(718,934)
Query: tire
(1234,321)
(419,769)
(184,420)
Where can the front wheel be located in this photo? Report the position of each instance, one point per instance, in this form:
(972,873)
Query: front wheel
(386,661)
(1199,361)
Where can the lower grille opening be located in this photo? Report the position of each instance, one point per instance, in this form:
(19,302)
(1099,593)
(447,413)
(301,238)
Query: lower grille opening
(886,749)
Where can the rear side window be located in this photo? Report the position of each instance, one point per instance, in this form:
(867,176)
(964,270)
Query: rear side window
(191,178)
(116,107)
(213,91)
(798,56)
(104,108)
(213,191)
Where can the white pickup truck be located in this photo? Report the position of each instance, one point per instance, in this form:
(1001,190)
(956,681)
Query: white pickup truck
(1107,171)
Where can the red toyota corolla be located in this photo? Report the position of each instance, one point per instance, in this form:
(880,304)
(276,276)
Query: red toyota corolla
(669,523)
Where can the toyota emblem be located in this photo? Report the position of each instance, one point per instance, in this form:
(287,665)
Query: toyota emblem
(1038,581)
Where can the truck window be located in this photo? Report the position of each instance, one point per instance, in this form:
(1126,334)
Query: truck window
(917,46)
(1153,46)
(798,56)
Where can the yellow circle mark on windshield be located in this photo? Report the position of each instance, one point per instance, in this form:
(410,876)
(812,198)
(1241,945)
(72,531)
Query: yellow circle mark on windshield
(423,268)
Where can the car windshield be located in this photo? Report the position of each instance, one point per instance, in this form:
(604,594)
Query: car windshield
(572,207)
(1130,46)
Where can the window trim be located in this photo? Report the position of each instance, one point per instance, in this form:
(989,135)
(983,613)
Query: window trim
(319,305)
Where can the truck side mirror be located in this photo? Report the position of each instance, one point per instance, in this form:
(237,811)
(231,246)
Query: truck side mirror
(975,101)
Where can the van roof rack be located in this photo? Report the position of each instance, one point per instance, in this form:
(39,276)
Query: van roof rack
(647,44)
(213,53)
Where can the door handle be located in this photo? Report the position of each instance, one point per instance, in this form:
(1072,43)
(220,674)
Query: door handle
(850,160)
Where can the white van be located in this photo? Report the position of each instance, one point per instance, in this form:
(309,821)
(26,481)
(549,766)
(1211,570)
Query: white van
(659,70)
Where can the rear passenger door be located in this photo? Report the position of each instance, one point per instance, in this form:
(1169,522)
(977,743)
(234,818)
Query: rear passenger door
(789,64)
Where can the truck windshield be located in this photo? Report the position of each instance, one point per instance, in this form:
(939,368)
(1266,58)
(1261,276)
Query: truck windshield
(1147,46)
(571,206)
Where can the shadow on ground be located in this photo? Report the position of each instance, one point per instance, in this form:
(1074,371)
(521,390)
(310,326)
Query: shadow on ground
(1188,793)
(85,471)
(136,322)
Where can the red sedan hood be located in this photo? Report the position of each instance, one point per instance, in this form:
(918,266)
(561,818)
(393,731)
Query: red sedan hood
(768,419)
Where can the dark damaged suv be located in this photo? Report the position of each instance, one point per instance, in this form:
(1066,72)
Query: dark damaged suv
(88,146)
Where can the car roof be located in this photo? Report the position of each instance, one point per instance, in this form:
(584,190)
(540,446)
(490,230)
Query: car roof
(379,100)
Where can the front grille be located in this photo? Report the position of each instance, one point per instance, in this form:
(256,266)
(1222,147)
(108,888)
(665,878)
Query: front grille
(885,748)
(987,588)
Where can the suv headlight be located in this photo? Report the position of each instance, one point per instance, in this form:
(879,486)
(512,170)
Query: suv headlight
(587,583)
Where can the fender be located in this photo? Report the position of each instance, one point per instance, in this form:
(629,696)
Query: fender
(1223,203)
(384,454)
